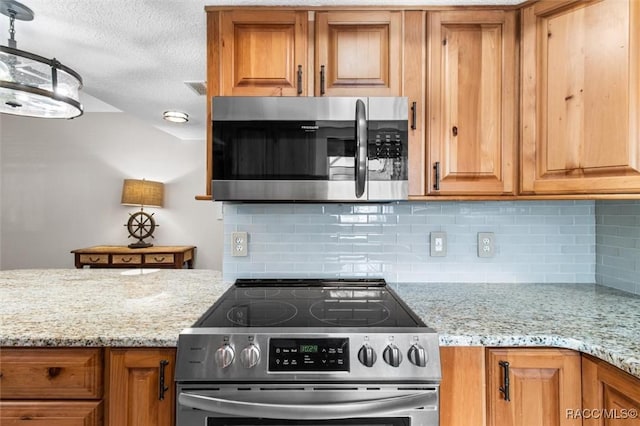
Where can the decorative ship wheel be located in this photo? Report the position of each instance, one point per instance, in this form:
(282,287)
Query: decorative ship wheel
(141,225)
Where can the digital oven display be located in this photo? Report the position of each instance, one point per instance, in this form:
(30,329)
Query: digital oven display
(309,349)
(331,354)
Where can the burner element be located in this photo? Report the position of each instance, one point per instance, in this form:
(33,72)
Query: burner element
(261,313)
(261,293)
(350,313)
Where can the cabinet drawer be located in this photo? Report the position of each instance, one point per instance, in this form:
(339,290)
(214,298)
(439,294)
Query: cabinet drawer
(126,259)
(160,258)
(96,259)
(51,413)
(51,373)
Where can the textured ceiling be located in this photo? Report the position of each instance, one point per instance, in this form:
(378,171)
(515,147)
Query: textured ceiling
(135,55)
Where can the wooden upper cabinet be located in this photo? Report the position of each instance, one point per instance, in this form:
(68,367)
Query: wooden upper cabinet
(358,53)
(263,53)
(580,97)
(542,385)
(414,85)
(472,103)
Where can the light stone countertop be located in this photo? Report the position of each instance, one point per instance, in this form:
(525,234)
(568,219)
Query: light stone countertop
(592,319)
(103,307)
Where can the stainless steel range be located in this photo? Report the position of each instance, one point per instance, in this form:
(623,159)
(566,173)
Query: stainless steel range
(308,352)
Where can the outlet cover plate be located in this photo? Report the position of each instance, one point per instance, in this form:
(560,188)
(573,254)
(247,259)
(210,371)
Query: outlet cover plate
(486,244)
(239,244)
(438,244)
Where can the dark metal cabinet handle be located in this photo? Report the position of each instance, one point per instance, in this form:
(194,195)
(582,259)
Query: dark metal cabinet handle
(436,172)
(414,107)
(454,130)
(321,80)
(162,388)
(299,79)
(504,389)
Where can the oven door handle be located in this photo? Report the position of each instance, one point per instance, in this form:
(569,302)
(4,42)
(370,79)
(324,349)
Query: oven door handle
(323,411)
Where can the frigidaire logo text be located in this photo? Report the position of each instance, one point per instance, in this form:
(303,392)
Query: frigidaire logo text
(309,128)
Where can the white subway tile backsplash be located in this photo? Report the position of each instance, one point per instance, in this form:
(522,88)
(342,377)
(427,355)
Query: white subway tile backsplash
(536,241)
(618,244)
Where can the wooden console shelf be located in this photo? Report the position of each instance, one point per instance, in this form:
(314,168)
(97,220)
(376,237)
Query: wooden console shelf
(170,257)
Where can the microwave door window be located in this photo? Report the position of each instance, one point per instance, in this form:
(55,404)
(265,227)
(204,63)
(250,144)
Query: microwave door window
(248,149)
(239,150)
(341,149)
(298,154)
(280,150)
(284,150)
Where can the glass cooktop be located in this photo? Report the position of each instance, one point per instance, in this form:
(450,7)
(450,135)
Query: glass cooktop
(309,303)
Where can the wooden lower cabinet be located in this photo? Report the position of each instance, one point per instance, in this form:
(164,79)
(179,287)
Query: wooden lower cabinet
(51,386)
(463,387)
(610,397)
(135,394)
(538,387)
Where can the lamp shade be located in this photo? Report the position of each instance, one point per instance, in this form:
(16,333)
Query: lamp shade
(140,192)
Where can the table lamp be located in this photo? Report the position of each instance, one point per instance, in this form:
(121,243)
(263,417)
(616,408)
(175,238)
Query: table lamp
(136,192)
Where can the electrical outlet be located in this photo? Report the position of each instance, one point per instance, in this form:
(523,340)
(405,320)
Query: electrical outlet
(486,244)
(239,244)
(438,244)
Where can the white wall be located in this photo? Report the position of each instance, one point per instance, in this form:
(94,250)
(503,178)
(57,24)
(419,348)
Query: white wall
(1,190)
(61,181)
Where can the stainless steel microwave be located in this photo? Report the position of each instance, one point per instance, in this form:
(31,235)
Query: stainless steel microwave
(309,148)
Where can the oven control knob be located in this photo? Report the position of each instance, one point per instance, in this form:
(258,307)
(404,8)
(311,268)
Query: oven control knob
(417,355)
(367,355)
(392,355)
(250,356)
(224,356)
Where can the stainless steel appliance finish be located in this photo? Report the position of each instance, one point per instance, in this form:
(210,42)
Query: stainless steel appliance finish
(279,190)
(415,406)
(309,352)
(275,108)
(310,149)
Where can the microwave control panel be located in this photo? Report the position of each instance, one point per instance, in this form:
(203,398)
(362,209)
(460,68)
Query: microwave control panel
(385,143)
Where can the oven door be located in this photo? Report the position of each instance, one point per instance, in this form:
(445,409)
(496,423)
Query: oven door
(307,405)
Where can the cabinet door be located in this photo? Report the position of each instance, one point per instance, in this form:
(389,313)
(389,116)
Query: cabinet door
(414,86)
(463,386)
(611,397)
(263,53)
(580,97)
(472,98)
(542,385)
(134,396)
(358,53)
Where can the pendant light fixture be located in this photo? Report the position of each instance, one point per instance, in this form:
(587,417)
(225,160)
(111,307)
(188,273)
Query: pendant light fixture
(32,85)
